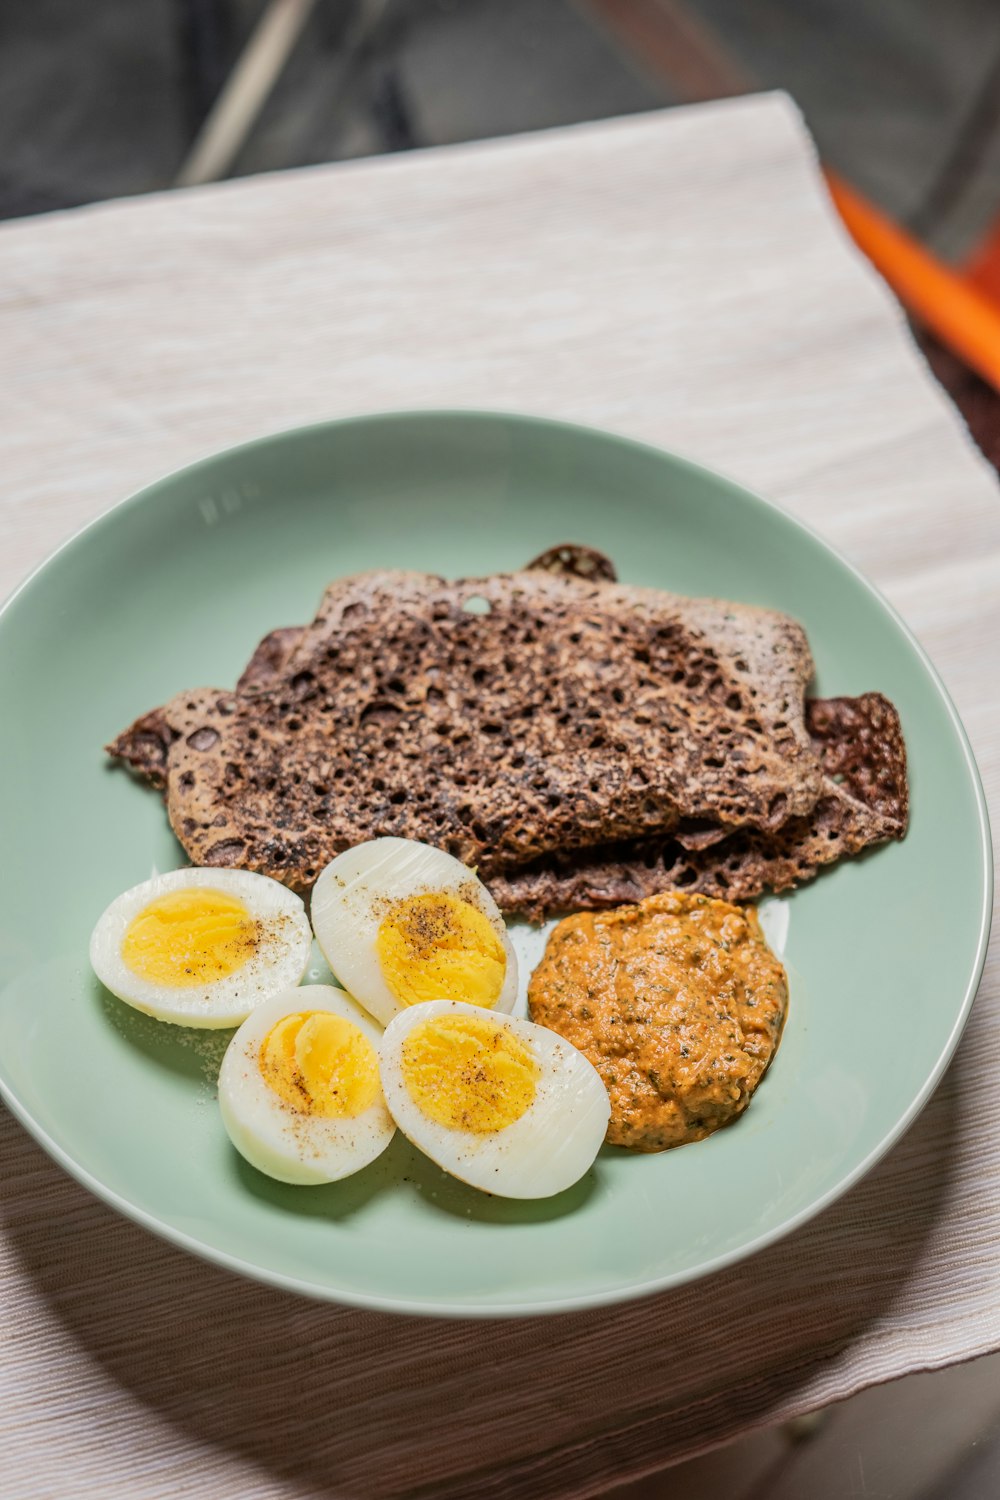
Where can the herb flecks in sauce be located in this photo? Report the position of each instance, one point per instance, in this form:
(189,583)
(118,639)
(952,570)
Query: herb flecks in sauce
(684,1009)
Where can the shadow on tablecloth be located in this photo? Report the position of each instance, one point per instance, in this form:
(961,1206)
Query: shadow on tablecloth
(347,1403)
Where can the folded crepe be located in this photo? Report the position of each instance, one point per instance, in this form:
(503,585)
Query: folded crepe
(580,741)
(864,802)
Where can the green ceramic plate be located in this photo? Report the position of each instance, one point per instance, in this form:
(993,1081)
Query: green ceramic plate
(174,587)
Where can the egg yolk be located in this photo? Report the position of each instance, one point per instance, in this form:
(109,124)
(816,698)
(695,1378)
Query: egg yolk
(320,1065)
(438,947)
(190,937)
(469,1073)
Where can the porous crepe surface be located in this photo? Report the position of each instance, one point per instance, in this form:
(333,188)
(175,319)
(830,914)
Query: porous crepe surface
(146,743)
(864,802)
(567,560)
(500,718)
(570,560)
(268,661)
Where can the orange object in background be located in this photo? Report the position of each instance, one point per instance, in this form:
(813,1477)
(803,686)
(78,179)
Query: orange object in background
(983,268)
(961,308)
(952,306)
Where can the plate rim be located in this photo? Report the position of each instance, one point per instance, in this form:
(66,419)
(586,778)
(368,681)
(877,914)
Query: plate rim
(473,1311)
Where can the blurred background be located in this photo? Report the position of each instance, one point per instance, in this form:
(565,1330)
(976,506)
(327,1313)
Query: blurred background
(113,97)
(107,97)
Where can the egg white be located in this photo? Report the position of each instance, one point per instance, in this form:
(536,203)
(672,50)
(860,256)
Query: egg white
(277,1139)
(353,894)
(279,961)
(549,1148)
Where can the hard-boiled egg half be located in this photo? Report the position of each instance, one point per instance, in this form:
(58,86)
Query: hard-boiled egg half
(400,923)
(202,947)
(299,1087)
(503,1104)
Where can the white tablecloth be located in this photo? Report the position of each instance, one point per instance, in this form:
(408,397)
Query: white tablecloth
(679,277)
